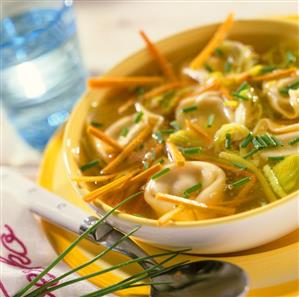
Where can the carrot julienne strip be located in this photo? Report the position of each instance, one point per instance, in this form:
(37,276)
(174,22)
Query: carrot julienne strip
(163,62)
(215,85)
(193,203)
(125,81)
(174,154)
(164,219)
(104,137)
(100,178)
(275,75)
(124,107)
(216,40)
(164,88)
(196,128)
(106,188)
(146,174)
(152,93)
(110,167)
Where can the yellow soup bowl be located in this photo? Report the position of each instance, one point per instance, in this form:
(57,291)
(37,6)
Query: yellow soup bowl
(221,235)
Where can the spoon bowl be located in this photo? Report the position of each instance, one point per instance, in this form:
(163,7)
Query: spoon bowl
(203,279)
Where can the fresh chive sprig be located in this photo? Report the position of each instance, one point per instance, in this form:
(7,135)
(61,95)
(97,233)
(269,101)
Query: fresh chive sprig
(73,245)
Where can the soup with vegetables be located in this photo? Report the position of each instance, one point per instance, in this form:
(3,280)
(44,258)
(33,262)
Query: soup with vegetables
(216,136)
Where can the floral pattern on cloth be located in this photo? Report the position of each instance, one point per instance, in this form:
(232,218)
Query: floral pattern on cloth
(25,250)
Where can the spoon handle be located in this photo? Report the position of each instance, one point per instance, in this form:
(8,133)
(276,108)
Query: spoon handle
(107,236)
(42,202)
(64,214)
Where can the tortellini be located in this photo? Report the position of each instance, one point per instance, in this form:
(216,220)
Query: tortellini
(282,99)
(248,112)
(241,56)
(284,133)
(178,179)
(201,109)
(126,128)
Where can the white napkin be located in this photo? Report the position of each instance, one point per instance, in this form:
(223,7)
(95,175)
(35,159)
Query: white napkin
(25,250)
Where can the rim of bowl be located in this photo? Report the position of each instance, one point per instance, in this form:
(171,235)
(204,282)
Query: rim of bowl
(71,165)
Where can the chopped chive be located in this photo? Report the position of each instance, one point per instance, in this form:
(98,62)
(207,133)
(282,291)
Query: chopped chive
(145,165)
(251,153)
(239,96)
(208,67)
(256,143)
(276,158)
(211,119)
(160,173)
(139,91)
(267,139)
(228,66)
(247,140)
(96,124)
(291,58)
(189,109)
(284,91)
(175,125)
(190,150)
(168,94)
(161,161)
(244,86)
(270,139)
(267,69)
(138,117)
(140,147)
(292,86)
(192,189)
(153,154)
(228,141)
(158,137)
(239,182)
(164,99)
(89,165)
(294,141)
(239,165)
(167,131)
(277,142)
(124,131)
(262,142)
(218,52)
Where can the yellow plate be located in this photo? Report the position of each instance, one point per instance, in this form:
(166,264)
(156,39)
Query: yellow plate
(272,268)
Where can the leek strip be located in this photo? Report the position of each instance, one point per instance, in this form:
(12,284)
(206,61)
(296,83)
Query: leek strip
(235,158)
(274,181)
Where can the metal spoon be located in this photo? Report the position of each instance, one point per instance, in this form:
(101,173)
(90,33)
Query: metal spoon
(198,279)
(207,278)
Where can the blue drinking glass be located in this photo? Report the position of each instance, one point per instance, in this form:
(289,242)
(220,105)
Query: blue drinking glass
(42,73)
